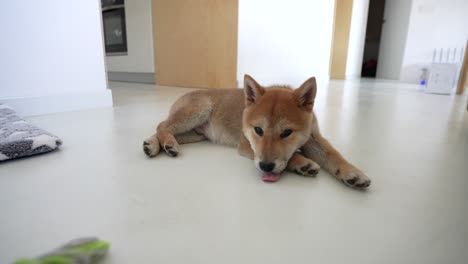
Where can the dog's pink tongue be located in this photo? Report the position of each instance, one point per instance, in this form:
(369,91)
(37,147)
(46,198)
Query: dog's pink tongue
(270,177)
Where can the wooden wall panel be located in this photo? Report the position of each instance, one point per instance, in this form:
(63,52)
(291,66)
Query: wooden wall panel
(195,42)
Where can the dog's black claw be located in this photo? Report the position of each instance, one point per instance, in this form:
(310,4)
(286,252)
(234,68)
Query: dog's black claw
(313,172)
(145,143)
(305,168)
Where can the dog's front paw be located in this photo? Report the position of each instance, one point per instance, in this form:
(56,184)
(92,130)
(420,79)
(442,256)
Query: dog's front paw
(151,147)
(171,149)
(353,177)
(306,167)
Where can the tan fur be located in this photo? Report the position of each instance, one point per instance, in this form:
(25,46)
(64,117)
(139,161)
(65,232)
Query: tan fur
(229,117)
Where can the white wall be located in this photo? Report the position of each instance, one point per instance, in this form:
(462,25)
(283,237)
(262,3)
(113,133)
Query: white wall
(284,41)
(52,53)
(393,39)
(357,37)
(139,40)
(433,24)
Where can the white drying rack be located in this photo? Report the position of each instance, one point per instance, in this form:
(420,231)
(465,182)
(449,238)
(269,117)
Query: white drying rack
(444,71)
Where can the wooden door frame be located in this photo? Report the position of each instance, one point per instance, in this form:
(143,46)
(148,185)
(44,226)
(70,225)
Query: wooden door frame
(340,39)
(463,72)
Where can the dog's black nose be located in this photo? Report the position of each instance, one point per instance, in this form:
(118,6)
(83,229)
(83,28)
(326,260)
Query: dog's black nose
(266,166)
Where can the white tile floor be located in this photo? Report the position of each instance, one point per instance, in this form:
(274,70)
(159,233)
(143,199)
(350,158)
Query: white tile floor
(210,206)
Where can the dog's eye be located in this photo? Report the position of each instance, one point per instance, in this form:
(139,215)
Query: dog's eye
(259,131)
(285,133)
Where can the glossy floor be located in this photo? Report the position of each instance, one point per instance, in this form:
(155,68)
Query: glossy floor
(210,206)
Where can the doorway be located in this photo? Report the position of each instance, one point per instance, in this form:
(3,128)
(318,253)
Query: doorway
(375,20)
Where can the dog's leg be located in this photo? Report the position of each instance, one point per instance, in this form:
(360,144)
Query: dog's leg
(178,125)
(320,150)
(302,165)
(151,145)
(187,113)
(244,148)
(189,137)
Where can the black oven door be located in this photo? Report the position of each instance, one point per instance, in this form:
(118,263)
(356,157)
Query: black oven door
(115,35)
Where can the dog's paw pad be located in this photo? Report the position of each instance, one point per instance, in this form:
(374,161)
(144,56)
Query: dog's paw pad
(363,185)
(150,148)
(305,168)
(147,151)
(172,153)
(171,150)
(352,181)
(309,168)
(356,179)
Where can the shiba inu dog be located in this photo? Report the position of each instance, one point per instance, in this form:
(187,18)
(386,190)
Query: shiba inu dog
(275,126)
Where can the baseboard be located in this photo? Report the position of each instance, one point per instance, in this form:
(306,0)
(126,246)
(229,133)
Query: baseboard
(40,105)
(137,77)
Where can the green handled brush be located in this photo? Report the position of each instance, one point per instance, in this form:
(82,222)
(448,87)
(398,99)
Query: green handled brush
(77,251)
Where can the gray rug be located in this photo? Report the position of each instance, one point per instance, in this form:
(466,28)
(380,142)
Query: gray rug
(18,138)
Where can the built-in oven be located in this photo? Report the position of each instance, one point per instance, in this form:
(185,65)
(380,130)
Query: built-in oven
(115,33)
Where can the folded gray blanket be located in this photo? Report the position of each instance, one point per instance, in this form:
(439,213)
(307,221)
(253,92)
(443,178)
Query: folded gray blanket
(18,138)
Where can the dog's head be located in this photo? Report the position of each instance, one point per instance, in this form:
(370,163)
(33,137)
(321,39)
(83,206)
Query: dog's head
(277,122)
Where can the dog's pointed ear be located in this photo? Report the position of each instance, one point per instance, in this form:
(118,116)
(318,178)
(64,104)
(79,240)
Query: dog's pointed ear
(252,90)
(305,94)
